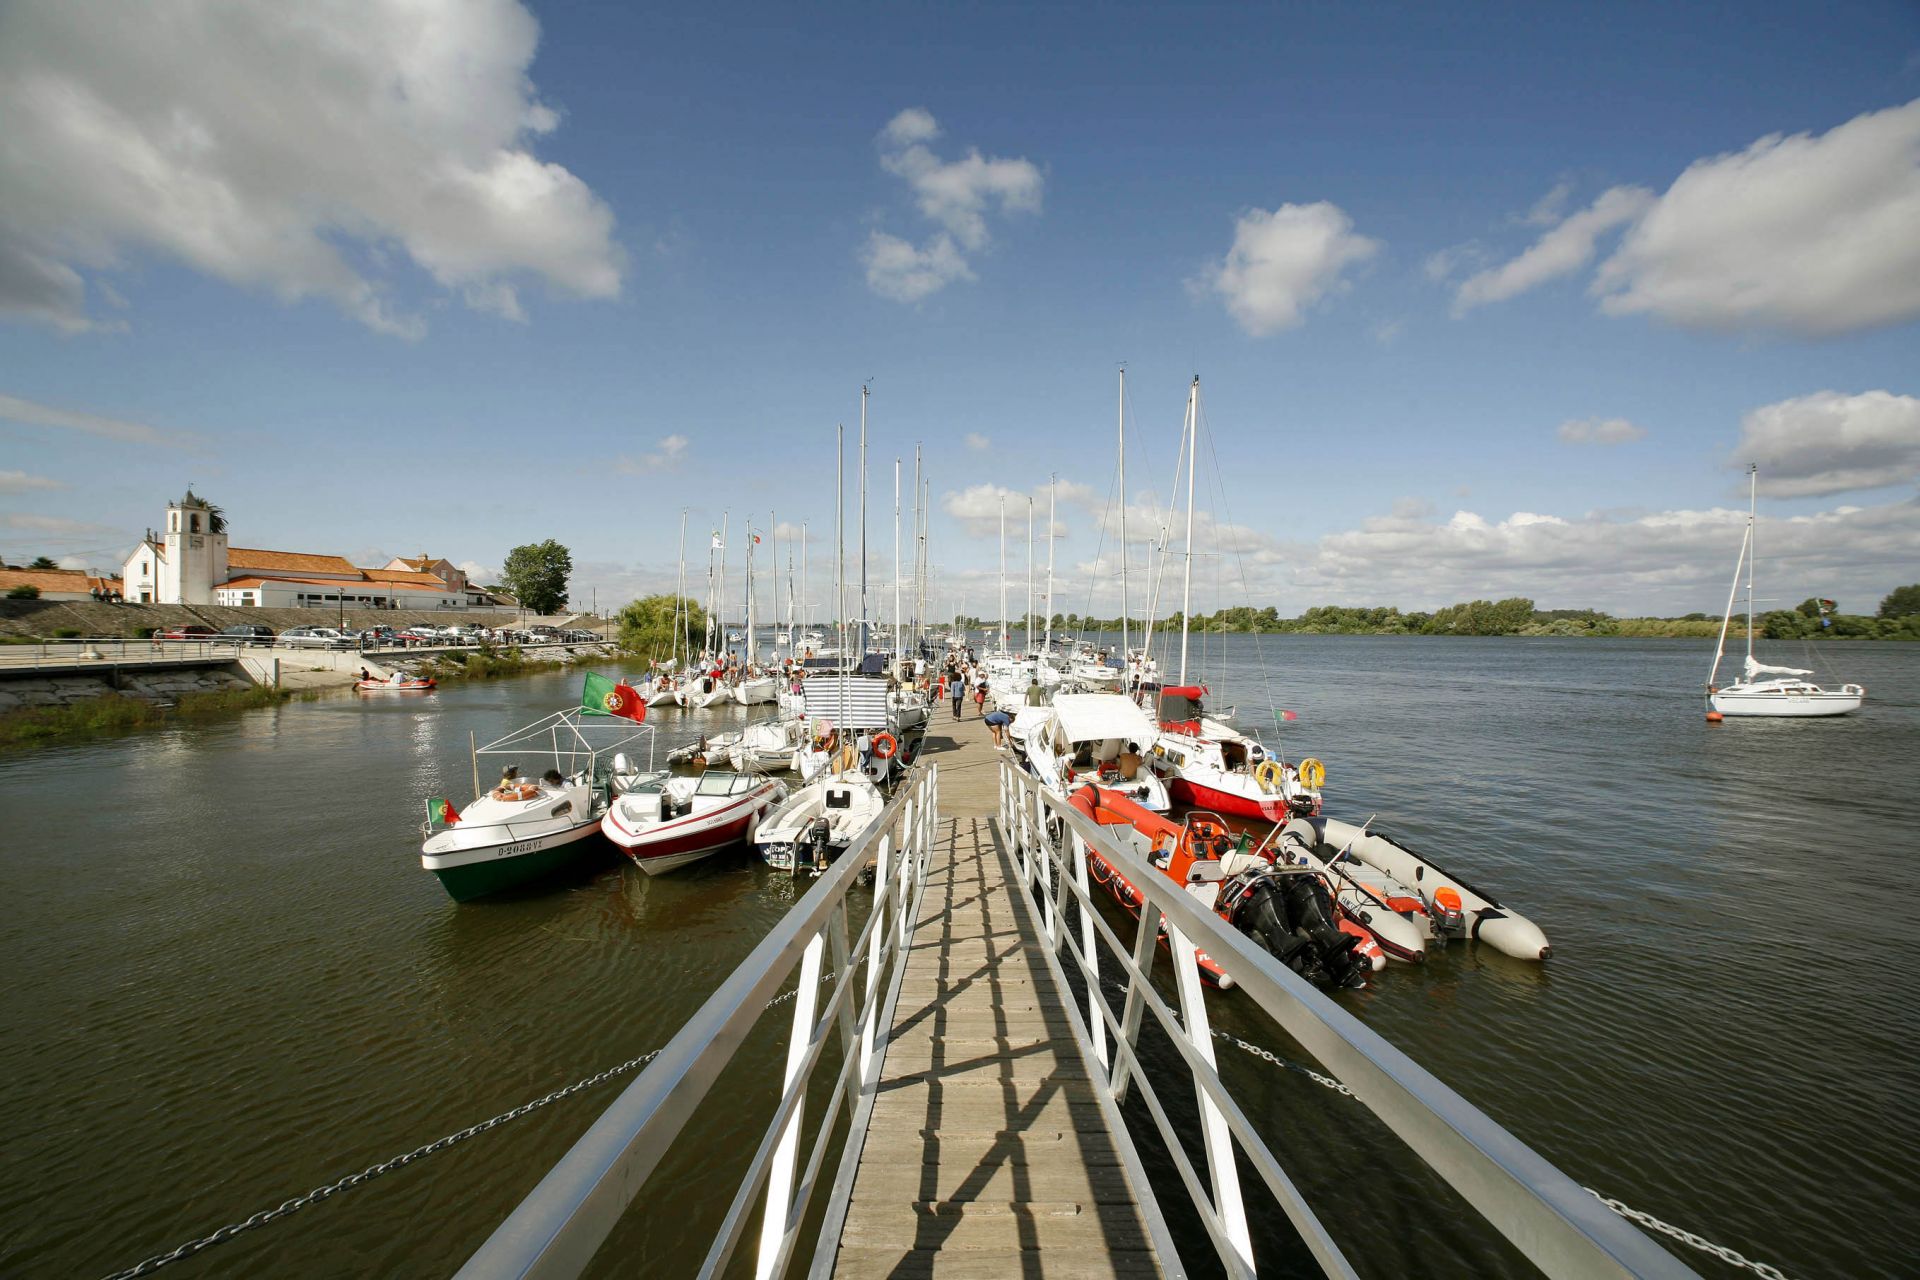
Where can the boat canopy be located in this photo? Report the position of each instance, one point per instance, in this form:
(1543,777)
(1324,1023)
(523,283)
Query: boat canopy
(1180,704)
(1098,717)
(1762,669)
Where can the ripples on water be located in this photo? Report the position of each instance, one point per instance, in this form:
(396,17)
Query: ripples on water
(231,981)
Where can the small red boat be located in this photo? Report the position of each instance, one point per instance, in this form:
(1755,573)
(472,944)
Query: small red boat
(403,686)
(1287,910)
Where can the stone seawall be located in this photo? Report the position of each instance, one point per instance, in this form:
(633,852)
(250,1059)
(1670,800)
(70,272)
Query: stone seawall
(164,686)
(44,617)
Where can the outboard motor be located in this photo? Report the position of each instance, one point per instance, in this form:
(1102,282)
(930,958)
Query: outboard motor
(1292,916)
(812,848)
(1445,912)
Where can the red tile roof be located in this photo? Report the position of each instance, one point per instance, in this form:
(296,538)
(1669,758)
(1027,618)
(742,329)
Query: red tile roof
(288,561)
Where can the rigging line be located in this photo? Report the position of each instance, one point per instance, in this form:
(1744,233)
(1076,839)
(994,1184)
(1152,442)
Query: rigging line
(1246,589)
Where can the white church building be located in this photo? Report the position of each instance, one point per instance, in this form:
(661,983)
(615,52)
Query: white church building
(189,561)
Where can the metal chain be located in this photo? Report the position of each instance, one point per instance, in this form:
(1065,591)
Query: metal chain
(285,1207)
(1732,1257)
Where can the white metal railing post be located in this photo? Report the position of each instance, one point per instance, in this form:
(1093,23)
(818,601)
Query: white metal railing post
(1145,943)
(902,926)
(876,937)
(1090,954)
(1228,1204)
(773,1228)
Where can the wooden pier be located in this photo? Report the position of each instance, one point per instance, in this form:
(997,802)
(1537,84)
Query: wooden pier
(987,1155)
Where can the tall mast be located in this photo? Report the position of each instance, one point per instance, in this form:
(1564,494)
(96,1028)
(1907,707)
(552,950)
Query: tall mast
(1193,465)
(679,592)
(747,658)
(1123,513)
(840,538)
(1026,618)
(720,597)
(1003,573)
(919,544)
(806,601)
(1052,483)
(896,560)
(1753,552)
(713,541)
(864,392)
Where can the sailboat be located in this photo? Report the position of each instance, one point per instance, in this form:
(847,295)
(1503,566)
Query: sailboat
(1764,690)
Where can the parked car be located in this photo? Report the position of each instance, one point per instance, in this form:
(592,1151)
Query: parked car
(248,633)
(378,638)
(315,638)
(193,632)
(420,635)
(582,637)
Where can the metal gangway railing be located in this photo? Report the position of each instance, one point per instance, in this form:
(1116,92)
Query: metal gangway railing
(1549,1217)
(846,989)
(67,651)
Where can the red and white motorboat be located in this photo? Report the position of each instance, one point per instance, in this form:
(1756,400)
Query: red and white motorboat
(403,684)
(1289,911)
(663,821)
(1213,765)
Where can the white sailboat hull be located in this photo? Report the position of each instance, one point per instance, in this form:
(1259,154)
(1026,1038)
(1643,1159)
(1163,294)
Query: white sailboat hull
(1797,701)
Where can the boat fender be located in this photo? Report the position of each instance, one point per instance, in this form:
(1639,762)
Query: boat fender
(1313,774)
(1270,775)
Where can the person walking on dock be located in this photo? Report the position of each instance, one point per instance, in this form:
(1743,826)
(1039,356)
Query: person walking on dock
(957,686)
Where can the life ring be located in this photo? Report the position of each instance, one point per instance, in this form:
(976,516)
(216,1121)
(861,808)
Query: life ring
(1270,775)
(884,745)
(1312,773)
(524,791)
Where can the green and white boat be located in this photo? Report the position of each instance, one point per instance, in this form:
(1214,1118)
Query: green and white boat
(531,824)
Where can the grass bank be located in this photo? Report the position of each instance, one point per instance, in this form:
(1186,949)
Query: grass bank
(115,713)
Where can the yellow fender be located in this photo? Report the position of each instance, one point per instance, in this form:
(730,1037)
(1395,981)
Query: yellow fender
(1270,775)
(1313,774)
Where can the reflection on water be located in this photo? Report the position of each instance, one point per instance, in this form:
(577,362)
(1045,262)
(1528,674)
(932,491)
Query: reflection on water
(230,979)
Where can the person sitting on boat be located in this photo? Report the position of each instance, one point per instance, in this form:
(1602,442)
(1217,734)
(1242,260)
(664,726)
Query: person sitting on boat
(553,779)
(366,676)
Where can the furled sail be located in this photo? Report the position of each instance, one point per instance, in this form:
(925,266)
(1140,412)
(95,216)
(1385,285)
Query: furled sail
(1757,669)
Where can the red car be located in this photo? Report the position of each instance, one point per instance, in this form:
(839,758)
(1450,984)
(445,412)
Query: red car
(195,632)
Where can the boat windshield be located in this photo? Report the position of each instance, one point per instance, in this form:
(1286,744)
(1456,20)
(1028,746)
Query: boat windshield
(1180,705)
(719,784)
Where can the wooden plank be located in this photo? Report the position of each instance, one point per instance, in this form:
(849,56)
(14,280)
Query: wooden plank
(987,1143)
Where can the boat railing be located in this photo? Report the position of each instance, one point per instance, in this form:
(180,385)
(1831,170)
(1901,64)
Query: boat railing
(844,990)
(1562,1228)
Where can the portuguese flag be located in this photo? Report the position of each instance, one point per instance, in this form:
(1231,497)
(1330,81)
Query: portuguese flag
(603,697)
(441,813)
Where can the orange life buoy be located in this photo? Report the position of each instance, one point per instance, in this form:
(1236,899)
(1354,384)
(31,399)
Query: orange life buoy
(884,745)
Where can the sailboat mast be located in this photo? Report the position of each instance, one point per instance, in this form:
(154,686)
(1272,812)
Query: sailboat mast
(840,538)
(680,595)
(806,601)
(864,392)
(1052,484)
(1026,615)
(747,654)
(1123,513)
(720,595)
(1193,461)
(1003,573)
(919,548)
(896,560)
(1753,552)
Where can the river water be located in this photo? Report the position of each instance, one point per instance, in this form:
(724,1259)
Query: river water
(230,981)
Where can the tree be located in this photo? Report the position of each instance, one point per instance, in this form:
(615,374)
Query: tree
(537,575)
(43,562)
(1901,602)
(646,626)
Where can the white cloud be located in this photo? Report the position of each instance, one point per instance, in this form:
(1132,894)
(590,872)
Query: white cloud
(22,482)
(287,148)
(1826,443)
(27,412)
(1804,234)
(978,442)
(1551,207)
(955,195)
(897,270)
(978,507)
(1565,249)
(1661,562)
(1600,431)
(665,456)
(477,573)
(1284,261)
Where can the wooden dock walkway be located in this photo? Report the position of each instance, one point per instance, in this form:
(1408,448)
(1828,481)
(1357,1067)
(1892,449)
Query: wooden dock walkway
(988,1155)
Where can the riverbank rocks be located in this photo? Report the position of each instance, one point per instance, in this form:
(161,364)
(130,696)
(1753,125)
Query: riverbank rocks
(153,686)
(56,691)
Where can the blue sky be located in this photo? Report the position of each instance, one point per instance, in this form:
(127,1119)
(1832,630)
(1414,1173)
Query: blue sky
(1482,305)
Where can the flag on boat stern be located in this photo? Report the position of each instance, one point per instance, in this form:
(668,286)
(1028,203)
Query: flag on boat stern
(1286,715)
(604,697)
(441,814)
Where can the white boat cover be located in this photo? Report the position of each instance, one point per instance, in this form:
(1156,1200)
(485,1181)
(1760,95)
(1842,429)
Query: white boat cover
(1756,669)
(1097,717)
(847,702)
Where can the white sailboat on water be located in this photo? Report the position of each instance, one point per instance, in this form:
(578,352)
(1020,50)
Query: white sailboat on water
(1764,690)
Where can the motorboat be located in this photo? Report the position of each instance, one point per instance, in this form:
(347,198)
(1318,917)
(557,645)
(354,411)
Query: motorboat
(1092,737)
(663,689)
(1289,911)
(1764,690)
(398,682)
(767,744)
(1454,908)
(524,828)
(663,820)
(1209,763)
(907,710)
(819,821)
